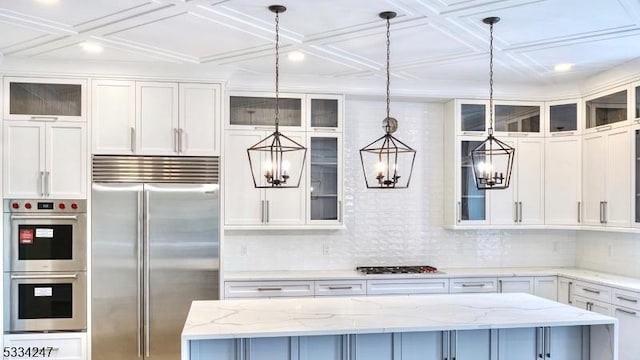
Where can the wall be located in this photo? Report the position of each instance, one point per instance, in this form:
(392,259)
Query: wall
(396,226)
(609,252)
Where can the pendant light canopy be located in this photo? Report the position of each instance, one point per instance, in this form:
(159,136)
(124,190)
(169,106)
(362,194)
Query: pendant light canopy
(387,162)
(277,161)
(493,159)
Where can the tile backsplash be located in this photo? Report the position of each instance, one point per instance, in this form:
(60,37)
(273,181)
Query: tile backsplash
(402,226)
(611,252)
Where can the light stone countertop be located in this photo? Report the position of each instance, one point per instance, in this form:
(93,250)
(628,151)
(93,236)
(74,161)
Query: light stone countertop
(618,281)
(225,319)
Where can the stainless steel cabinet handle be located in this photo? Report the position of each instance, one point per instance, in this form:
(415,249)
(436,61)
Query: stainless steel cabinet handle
(262,211)
(180,138)
(267,206)
(605,214)
(515,212)
(47,183)
(44,217)
(473,285)
(340,287)
(539,342)
(627,311)
(45,276)
(147,265)
(44,118)
(547,342)
(579,211)
(591,291)
(459,211)
(499,286)
(569,292)
(176,139)
(601,218)
(446,344)
(140,273)
(269,289)
(520,211)
(603,128)
(41,183)
(132,139)
(454,345)
(635,301)
(589,305)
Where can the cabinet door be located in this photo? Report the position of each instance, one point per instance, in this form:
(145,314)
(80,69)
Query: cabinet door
(628,325)
(66,165)
(562,181)
(24,159)
(328,347)
(324,180)
(421,345)
(593,162)
(243,203)
(564,342)
(199,119)
(157,118)
(270,348)
(530,181)
(503,202)
(287,206)
(248,110)
(113,117)
(372,347)
(617,209)
(546,287)
(471,345)
(472,206)
(45,99)
(564,290)
(519,284)
(518,344)
(325,112)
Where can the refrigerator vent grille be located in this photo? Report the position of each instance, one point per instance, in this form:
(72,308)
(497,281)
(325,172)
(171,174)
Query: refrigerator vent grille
(155,169)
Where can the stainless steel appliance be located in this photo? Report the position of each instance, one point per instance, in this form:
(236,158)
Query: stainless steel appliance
(45,235)
(417,269)
(155,232)
(47,301)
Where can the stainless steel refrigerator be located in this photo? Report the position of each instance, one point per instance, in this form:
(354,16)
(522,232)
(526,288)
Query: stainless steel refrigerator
(154,249)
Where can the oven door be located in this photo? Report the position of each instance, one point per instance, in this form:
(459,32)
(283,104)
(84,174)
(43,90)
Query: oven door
(48,301)
(47,242)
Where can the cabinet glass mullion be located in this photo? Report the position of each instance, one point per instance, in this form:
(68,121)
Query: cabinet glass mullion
(323,178)
(472,201)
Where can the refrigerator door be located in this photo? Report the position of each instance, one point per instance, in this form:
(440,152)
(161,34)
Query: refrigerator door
(116,298)
(182,260)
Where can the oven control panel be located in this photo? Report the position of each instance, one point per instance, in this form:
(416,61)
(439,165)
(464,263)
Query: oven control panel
(45,206)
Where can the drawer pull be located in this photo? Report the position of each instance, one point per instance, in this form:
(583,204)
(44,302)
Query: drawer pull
(626,311)
(635,301)
(473,285)
(340,287)
(269,289)
(591,291)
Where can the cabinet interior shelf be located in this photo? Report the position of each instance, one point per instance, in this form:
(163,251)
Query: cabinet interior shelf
(324,163)
(314,195)
(473,196)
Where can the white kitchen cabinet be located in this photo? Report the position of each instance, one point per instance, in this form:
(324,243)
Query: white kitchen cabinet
(113,117)
(249,110)
(546,287)
(599,307)
(45,159)
(324,180)
(556,343)
(606,178)
(372,346)
(272,348)
(518,118)
(562,180)
(61,345)
(422,345)
(156,118)
(47,99)
(522,284)
(592,291)
(340,287)
(407,286)
(325,112)
(628,325)
(246,205)
(523,202)
(565,287)
(324,347)
(473,285)
(262,289)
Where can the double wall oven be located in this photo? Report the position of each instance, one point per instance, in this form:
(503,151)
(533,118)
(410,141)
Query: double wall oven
(45,265)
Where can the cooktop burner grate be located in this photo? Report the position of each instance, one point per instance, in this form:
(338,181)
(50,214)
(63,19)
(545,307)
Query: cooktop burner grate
(419,269)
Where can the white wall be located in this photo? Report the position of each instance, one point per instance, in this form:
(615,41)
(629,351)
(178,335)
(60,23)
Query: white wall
(611,252)
(396,226)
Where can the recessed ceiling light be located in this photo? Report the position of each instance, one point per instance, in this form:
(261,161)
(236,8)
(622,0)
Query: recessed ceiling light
(563,67)
(48,2)
(91,47)
(296,56)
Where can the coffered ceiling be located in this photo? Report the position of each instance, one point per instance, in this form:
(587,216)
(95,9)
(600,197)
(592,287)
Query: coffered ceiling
(431,40)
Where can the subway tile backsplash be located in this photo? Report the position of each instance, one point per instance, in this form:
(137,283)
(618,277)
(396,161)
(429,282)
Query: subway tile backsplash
(396,226)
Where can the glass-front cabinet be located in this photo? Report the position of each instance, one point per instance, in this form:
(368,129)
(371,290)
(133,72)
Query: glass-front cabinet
(518,118)
(45,99)
(325,112)
(258,110)
(472,203)
(471,117)
(603,110)
(636,175)
(324,197)
(636,96)
(563,118)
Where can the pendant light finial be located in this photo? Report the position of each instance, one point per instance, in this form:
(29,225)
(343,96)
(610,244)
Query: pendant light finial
(277,161)
(493,159)
(387,157)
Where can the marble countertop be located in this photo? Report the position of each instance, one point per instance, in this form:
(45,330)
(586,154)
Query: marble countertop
(224,319)
(621,282)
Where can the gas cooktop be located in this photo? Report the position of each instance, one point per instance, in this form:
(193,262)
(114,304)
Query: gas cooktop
(419,269)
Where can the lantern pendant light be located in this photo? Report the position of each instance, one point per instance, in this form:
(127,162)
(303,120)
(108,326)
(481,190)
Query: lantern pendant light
(387,162)
(493,159)
(277,161)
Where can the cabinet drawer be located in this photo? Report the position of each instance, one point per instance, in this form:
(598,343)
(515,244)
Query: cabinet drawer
(596,306)
(340,287)
(260,289)
(592,291)
(473,285)
(70,346)
(407,286)
(625,298)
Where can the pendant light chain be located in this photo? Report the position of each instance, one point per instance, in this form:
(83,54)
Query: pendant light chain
(491,78)
(388,76)
(277,69)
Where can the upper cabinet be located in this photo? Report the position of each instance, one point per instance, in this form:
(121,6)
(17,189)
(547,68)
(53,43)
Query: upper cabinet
(522,119)
(257,110)
(563,118)
(606,110)
(636,97)
(45,99)
(156,118)
(324,112)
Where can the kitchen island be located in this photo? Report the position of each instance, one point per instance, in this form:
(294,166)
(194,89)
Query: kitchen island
(462,326)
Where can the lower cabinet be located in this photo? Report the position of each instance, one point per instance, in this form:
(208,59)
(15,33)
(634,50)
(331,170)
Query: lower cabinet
(557,343)
(628,326)
(64,345)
